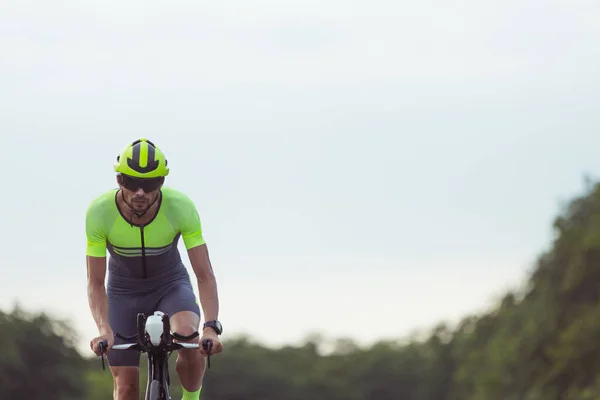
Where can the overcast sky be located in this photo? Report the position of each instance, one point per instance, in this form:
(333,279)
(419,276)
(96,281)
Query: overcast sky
(361,169)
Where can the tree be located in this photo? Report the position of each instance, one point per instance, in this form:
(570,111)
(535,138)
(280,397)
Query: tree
(38,358)
(536,343)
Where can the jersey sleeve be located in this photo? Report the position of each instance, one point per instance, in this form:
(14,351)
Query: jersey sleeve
(191,228)
(95,233)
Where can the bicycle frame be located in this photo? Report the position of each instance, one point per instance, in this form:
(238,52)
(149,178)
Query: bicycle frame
(158,345)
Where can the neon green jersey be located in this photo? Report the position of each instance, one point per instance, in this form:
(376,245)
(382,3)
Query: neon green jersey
(142,255)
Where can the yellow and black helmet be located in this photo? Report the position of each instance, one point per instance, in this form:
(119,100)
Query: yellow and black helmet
(142,159)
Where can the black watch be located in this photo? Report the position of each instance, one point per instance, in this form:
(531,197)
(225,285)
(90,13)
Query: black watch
(216,325)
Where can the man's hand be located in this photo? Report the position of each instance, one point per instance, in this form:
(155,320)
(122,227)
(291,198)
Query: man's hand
(96,341)
(209,333)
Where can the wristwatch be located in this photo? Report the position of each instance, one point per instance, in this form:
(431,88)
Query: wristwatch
(216,325)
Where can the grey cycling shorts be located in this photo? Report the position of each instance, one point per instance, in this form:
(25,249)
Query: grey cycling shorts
(123,309)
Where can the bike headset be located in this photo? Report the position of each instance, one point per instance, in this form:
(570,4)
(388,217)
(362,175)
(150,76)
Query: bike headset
(143,164)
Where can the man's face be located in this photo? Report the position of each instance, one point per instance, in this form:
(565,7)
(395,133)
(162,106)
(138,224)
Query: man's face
(139,193)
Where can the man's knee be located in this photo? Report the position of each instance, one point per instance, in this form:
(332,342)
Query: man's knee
(126,382)
(185,323)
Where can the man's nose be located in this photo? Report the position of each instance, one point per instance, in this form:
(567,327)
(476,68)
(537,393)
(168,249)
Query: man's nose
(140,192)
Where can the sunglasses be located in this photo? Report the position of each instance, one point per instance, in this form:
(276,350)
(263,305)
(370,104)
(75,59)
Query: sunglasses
(134,184)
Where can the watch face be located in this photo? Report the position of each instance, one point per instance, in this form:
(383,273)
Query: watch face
(216,324)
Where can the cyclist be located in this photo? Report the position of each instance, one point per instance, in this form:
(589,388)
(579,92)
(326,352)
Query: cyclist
(139,224)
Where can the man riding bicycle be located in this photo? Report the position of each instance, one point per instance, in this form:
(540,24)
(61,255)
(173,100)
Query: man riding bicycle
(139,224)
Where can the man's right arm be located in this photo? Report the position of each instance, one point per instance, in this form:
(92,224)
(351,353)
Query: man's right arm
(96,265)
(96,273)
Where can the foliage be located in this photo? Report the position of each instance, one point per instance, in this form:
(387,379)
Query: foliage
(538,343)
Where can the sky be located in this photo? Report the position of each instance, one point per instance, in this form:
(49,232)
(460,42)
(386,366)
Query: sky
(361,169)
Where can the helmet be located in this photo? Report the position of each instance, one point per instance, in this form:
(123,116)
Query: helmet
(142,159)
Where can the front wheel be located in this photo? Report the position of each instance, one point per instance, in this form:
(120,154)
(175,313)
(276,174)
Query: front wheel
(156,392)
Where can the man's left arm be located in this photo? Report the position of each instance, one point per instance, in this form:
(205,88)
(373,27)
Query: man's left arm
(207,283)
(191,232)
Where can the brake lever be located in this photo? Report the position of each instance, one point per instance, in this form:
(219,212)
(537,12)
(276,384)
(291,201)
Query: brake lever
(207,344)
(103,345)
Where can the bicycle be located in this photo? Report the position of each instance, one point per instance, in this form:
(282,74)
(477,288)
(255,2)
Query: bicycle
(155,338)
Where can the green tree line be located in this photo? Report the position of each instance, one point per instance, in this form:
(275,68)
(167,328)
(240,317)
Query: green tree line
(540,342)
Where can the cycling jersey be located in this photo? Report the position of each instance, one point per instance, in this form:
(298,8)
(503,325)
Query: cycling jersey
(142,257)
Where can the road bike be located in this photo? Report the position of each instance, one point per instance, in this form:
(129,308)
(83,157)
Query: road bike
(155,338)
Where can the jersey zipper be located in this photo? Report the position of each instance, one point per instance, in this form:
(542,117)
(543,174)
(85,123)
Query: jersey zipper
(143,251)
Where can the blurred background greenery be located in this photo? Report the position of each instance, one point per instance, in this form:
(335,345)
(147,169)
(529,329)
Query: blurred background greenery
(537,343)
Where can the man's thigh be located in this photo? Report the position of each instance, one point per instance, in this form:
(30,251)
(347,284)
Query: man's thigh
(122,317)
(179,303)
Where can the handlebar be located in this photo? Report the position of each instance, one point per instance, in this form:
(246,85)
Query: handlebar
(207,345)
(143,342)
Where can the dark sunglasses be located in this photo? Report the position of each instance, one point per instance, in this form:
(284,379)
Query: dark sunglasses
(134,184)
